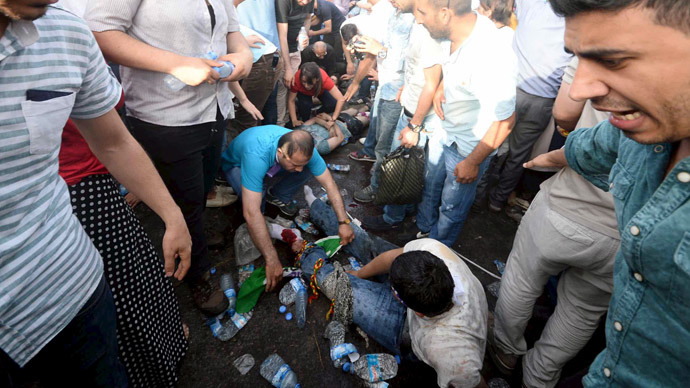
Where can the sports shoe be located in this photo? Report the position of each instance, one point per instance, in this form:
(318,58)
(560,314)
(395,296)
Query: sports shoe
(505,363)
(361,156)
(495,208)
(421,234)
(365,195)
(208,297)
(226,189)
(288,209)
(362,140)
(377,224)
(222,199)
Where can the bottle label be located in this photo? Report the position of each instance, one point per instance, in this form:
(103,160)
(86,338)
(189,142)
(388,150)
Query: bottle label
(239,320)
(342,350)
(280,375)
(297,285)
(230,293)
(374,368)
(354,263)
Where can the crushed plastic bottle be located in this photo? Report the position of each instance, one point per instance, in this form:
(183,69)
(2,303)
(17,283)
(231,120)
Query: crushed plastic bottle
(278,372)
(244,363)
(245,250)
(500,266)
(306,226)
(494,288)
(243,273)
(373,367)
(356,266)
(227,284)
(295,292)
(339,167)
(224,70)
(335,333)
(219,331)
(236,323)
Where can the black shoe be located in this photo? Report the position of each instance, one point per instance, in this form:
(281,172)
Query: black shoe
(208,297)
(288,209)
(377,224)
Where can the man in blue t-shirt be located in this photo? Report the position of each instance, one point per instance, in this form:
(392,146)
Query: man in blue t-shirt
(260,158)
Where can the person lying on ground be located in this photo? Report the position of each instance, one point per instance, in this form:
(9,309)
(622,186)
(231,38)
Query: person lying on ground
(327,140)
(431,303)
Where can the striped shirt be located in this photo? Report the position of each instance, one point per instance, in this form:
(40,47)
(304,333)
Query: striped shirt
(48,266)
(182,27)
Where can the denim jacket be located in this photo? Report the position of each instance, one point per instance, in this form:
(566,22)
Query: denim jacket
(648,324)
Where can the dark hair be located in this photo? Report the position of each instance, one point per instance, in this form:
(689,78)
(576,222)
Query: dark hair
(500,10)
(297,140)
(423,282)
(459,7)
(311,72)
(348,31)
(671,13)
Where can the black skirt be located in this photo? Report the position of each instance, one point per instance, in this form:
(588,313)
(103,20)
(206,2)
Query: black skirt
(151,340)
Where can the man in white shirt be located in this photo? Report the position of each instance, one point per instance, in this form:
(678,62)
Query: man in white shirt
(476,101)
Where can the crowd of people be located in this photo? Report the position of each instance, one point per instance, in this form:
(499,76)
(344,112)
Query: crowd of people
(575,110)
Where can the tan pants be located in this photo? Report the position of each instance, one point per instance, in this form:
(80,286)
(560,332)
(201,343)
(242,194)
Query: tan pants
(547,244)
(281,99)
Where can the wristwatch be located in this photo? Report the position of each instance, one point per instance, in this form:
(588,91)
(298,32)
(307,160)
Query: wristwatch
(415,128)
(346,222)
(382,54)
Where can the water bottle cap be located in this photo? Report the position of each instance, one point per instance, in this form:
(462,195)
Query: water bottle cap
(212,270)
(282,309)
(397,359)
(347,366)
(288,316)
(298,386)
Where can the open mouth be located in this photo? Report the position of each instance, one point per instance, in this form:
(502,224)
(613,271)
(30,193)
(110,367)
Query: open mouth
(627,116)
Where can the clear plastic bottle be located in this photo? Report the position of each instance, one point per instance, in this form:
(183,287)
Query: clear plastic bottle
(302,39)
(235,324)
(374,367)
(295,291)
(227,284)
(219,331)
(278,372)
(288,294)
(356,266)
(224,70)
(339,167)
(335,333)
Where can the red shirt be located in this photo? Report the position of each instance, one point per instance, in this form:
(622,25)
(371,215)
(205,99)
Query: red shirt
(326,84)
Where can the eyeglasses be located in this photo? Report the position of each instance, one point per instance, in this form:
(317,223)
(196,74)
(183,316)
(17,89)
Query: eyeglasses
(395,294)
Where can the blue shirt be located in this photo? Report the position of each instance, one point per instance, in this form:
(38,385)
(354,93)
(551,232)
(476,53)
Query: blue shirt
(260,16)
(392,68)
(254,151)
(648,324)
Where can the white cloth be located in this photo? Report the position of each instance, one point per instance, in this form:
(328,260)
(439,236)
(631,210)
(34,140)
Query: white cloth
(422,53)
(479,81)
(77,7)
(452,343)
(180,26)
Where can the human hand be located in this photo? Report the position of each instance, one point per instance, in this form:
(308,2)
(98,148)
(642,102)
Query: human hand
(367,44)
(373,75)
(177,243)
(350,70)
(195,71)
(466,172)
(397,97)
(346,234)
(351,91)
(439,100)
(254,41)
(288,77)
(242,66)
(354,273)
(251,109)
(297,123)
(305,42)
(408,138)
(346,77)
(274,273)
(132,200)
(550,159)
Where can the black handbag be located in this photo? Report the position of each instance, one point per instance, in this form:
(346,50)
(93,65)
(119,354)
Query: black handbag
(402,177)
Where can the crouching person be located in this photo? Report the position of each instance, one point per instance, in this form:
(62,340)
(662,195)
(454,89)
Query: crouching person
(431,301)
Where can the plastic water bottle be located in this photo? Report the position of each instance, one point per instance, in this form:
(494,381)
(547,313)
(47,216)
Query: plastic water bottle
(288,294)
(302,39)
(236,323)
(278,372)
(300,303)
(335,333)
(374,367)
(356,266)
(372,92)
(339,167)
(219,331)
(227,284)
(224,70)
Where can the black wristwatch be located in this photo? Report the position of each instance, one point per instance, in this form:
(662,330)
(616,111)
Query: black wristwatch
(415,128)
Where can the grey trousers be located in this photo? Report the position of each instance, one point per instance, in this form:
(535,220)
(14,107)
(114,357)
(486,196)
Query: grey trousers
(532,115)
(547,244)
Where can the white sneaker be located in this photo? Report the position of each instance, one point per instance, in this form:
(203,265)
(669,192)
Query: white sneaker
(421,234)
(222,199)
(362,140)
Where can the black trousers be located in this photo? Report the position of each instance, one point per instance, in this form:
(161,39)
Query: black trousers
(187,159)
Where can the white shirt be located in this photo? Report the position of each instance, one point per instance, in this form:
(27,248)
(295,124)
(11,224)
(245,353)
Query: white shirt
(423,52)
(180,26)
(479,82)
(452,343)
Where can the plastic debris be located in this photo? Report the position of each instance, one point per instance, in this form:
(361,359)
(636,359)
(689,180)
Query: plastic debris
(244,363)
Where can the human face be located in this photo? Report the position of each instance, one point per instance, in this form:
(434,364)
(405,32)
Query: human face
(24,9)
(635,69)
(320,53)
(294,163)
(434,20)
(302,3)
(404,6)
(307,85)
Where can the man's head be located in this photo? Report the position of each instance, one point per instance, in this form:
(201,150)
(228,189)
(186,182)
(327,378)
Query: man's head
(422,282)
(320,49)
(24,9)
(302,3)
(348,31)
(404,6)
(436,15)
(498,11)
(633,63)
(295,148)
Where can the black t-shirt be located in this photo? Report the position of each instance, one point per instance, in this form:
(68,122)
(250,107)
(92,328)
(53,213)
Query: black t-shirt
(327,63)
(288,11)
(325,10)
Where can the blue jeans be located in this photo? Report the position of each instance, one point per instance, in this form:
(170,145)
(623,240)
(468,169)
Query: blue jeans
(445,202)
(374,308)
(83,354)
(395,214)
(370,141)
(270,111)
(290,182)
(303,104)
(386,122)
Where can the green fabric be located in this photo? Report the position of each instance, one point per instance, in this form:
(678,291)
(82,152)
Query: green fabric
(251,291)
(330,244)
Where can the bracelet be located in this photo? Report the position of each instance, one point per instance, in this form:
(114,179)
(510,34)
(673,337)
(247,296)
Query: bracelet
(346,222)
